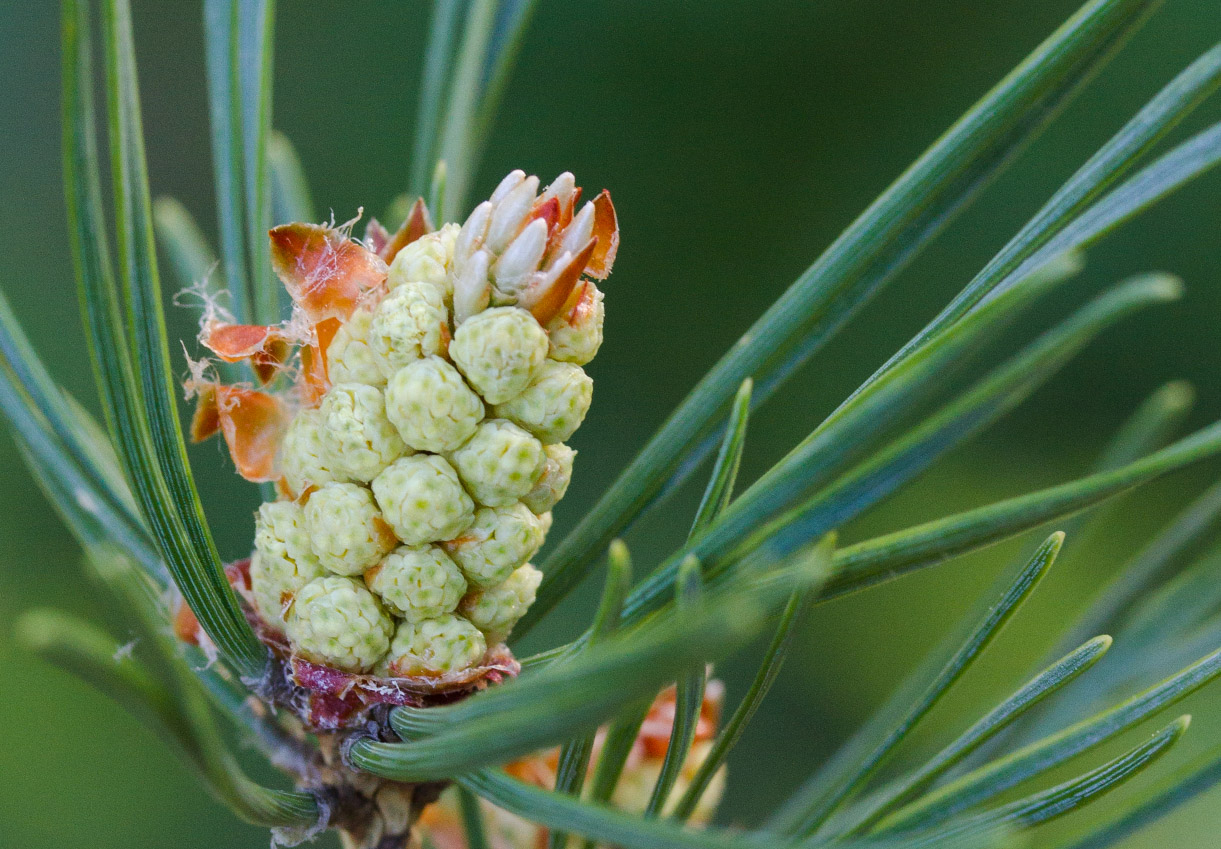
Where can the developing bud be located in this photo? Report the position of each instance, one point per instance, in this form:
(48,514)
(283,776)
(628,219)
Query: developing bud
(359,439)
(546,520)
(432,407)
(411,322)
(500,540)
(562,188)
(576,332)
(509,214)
(337,622)
(521,258)
(500,463)
(423,500)
(553,483)
(470,236)
(417,582)
(495,611)
(349,358)
(471,288)
(346,531)
(553,406)
(510,182)
(579,230)
(499,350)
(426,260)
(434,647)
(304,459)
(283,561)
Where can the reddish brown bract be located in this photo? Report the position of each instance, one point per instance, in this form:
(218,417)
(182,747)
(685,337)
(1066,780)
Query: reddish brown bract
(252,422)
(325,271)
(267,348)
(186,626)
(553,299)
(606,231)
(417,224)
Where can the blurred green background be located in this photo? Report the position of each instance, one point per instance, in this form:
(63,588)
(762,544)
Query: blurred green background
(738,139)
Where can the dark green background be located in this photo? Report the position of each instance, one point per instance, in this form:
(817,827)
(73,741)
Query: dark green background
(738,139)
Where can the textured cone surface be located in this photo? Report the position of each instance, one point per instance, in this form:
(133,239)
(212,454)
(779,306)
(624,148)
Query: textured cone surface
(423,500)
(346,530)
(438,646)
(337,622)
(496,610)
(418,582)
(553,406)
(576,333)
(304,458)
(360,440)
(500,463)
(283,560)
(499,350)
(500,540)
(350,358)
(427,260)
(411,322)
(552,484)
(433,409)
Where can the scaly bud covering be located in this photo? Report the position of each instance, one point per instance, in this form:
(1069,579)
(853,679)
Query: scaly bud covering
(417,582)
(427,260)
(496,610)
(499,350)
(304,458)
(337,622)
(437,373)
(553,406)
(435,647)
(346,530)
(553,482)
(283,561)
(423,500)
(350,358)
(500,540)
(500,463)
(411,322)
(360,441)
(433,409)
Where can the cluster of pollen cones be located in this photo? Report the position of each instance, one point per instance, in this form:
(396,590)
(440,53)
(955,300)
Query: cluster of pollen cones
(412,413)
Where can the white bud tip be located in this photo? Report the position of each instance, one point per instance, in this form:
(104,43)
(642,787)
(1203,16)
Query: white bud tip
(471,288)
(579,231)
(510,214)
(561,188)
(511,181)
(521,258)
(470,237)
